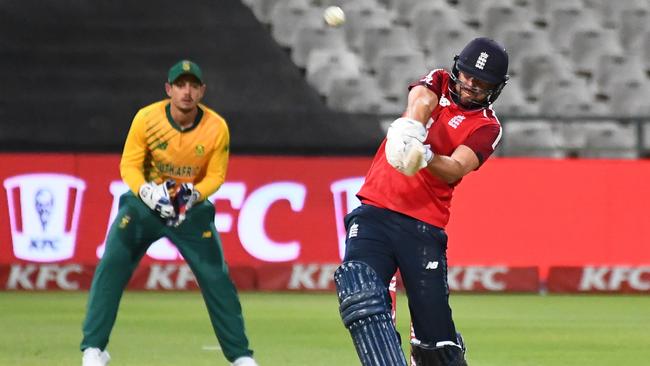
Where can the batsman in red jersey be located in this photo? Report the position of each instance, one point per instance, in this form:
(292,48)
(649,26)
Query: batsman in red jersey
(450,123)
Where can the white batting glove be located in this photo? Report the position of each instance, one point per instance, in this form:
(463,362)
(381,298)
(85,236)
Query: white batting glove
(394,148)
(409,129)
(156,196)
(424,158)
(400,133)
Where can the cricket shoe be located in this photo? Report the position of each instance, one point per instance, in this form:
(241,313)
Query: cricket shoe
(245,361)
(95,357)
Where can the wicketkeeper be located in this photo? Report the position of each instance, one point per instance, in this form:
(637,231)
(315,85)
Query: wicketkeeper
(175,156)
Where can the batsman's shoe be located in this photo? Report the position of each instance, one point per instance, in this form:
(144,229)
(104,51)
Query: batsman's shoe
(245,361)
(95,357)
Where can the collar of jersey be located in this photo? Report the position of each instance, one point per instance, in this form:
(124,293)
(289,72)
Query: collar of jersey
(168,111)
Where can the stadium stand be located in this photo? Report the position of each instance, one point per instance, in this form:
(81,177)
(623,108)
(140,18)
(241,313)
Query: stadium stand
(349,94)
(76,78)
(525,40)
(361,18)
(432,17)
(501,17)
(397,70)
(532,138)
(324,66)
(610,140)
(589,45)
(288,16)
(445,43)
(601,47)
(316,38)
(633,24)
(376,41)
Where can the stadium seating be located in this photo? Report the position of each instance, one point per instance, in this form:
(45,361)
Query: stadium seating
(324,66)
(611,140)
(537,68)
(395,71)
(472,11)
(376,41)
(501,17)
(617,67)
(629,98)
(447,43)
(361,18)
(316,38)
(288,17)
(565,21)
(588,45)
(609,12)
(633,24)
(525,40)
(531,138)
(568,59)
(356,94)
(77,72)
(431,18)
(512,101)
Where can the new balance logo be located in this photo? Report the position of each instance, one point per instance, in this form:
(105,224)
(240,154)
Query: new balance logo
(431,265)
(354,230)
(481,60)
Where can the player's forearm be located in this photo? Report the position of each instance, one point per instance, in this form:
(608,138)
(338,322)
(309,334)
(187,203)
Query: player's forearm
(451,168)
(421,102)
(446,168)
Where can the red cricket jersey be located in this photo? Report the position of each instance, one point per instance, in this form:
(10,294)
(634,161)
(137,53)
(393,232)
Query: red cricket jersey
(424,196)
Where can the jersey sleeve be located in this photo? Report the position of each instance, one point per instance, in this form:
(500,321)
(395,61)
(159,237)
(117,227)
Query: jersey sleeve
(483,141)
(217,165)
(432,81)
(133,156)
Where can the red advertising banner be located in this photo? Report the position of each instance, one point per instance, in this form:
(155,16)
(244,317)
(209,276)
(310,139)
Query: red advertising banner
(600,279)
(171,276)
(56,208)
(319,276)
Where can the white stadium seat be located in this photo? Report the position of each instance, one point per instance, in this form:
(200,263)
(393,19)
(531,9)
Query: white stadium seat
(531,138)
(314,38)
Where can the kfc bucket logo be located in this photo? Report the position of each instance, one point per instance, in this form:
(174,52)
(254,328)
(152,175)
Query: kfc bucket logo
(43,213)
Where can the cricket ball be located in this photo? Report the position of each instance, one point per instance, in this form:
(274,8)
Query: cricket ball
(334,16)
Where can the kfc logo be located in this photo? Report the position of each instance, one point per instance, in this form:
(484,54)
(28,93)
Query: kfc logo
(43,213)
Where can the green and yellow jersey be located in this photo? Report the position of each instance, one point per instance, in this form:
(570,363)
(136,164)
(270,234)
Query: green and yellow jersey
(157,149)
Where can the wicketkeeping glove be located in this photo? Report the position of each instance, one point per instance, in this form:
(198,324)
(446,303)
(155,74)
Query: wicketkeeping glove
(186,196)
(156,196)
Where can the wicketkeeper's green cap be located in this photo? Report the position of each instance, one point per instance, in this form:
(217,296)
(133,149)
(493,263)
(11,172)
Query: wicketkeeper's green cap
(184,67)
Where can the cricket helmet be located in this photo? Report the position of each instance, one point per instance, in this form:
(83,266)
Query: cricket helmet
(486,60)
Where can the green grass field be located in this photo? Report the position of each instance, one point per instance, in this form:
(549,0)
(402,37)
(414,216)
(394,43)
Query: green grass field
(304,329)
